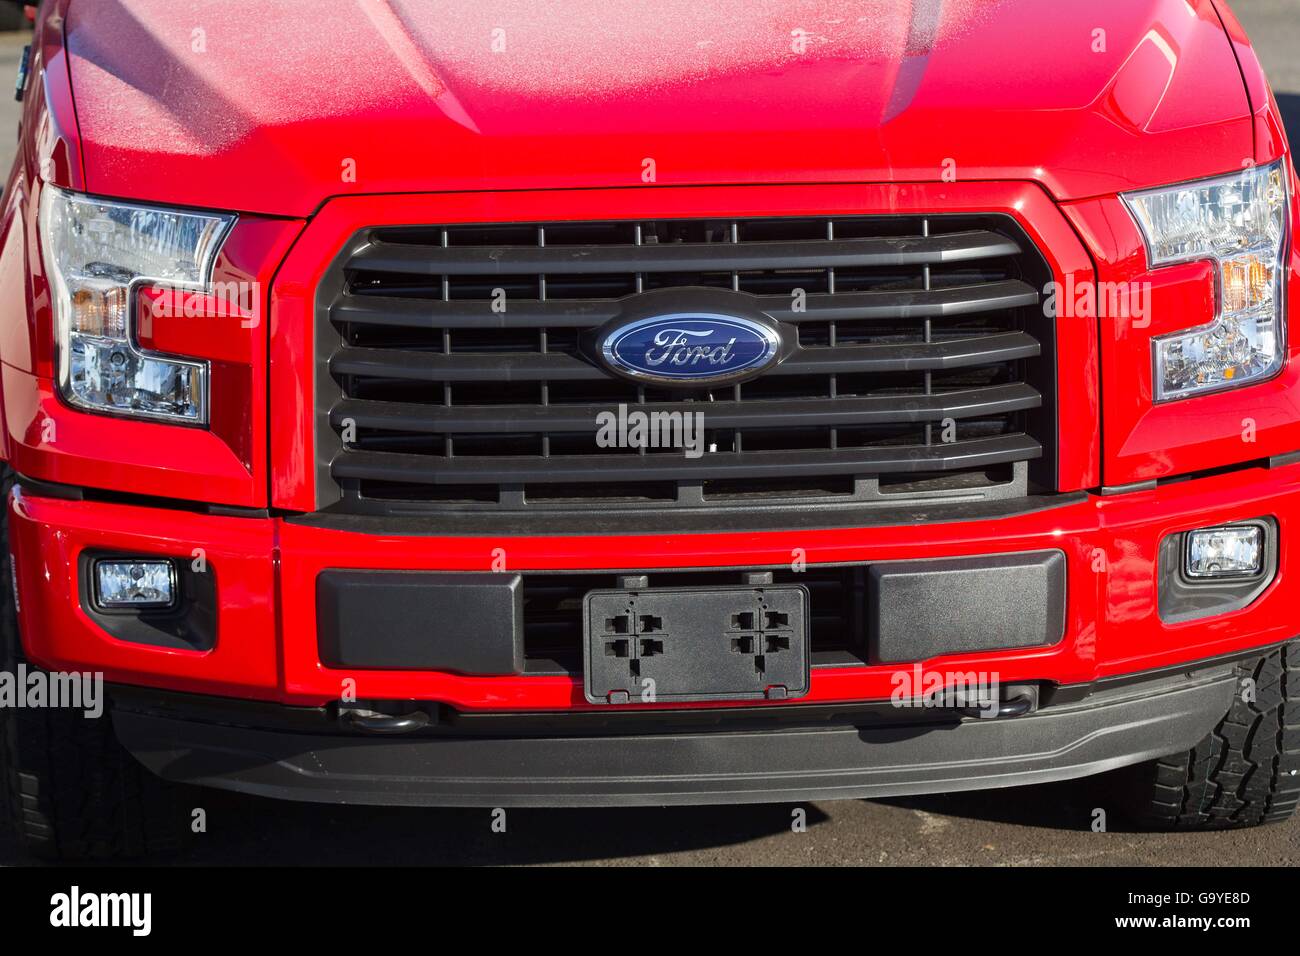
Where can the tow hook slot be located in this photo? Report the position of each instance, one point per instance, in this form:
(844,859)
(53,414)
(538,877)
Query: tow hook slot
(375,722)
(1013,701)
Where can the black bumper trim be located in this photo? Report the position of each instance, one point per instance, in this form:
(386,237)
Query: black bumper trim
(1110,729)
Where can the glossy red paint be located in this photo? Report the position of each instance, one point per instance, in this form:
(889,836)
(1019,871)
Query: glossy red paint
(1269,133)
(52,144)
(44,438)
(737,123)
(48,151)
(268,622)
(224,464)
(1143,440)
(292,304)
(57,633)
(409,96)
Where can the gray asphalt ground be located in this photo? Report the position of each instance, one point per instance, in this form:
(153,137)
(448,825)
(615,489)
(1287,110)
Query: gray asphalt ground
(1045,825)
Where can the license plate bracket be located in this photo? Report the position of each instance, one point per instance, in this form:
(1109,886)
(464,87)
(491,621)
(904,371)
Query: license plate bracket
(695,644)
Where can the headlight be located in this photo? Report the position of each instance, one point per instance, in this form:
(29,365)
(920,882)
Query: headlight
(1239,222)
(97,253)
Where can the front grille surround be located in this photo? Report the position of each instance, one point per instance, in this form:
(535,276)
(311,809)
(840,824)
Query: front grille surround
(909,320)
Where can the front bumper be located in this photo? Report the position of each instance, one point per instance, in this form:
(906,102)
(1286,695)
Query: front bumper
(266,571)
(302,755)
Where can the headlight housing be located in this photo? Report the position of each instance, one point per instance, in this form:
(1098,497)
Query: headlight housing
(97,254)
(1240,223)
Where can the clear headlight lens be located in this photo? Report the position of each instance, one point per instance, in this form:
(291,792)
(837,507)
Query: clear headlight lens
(97,252)
(1239,222)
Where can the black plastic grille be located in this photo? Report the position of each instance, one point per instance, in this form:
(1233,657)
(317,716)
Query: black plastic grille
(923,367)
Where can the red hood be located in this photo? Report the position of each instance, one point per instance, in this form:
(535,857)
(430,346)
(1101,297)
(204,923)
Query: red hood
(264,107)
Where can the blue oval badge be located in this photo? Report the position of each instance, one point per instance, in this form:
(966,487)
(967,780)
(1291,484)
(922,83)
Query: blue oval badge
(691,348)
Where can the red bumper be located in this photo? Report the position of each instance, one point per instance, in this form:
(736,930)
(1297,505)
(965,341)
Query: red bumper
(266,570)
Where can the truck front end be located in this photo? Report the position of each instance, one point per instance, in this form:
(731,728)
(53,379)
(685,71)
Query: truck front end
(813,414)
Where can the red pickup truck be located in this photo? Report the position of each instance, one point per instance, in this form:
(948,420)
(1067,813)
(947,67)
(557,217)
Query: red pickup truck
(464,404)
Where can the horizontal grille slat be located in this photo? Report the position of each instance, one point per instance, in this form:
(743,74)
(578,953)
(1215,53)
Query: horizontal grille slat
(420,313)
(907,304)
(578,313)
(433,367)
(580,469)
(706,257)
(910,358)
(469,367)
(460,365)
(505,419)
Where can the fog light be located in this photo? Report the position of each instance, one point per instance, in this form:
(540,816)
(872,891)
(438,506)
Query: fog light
(134,583)
(1231,551)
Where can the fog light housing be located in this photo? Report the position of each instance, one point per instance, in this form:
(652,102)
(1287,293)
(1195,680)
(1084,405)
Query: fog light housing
(1216,569)
(135,583)
(1230,551)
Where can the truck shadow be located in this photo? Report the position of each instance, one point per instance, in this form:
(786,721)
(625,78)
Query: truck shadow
(242,830)
(245,829)
(1069,805)
(249,830)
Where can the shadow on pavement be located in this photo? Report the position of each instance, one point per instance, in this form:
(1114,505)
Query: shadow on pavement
(252,830)
(249,830)
(1068,805)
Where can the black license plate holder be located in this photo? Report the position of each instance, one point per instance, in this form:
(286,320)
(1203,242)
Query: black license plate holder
(659,645)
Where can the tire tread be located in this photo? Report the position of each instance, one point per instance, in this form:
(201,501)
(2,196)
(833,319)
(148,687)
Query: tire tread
(1247,770)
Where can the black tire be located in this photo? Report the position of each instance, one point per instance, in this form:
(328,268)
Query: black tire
(70,791)
(1246,771)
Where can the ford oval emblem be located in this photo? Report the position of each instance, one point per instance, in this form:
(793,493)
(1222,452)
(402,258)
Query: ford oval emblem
(690,348)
